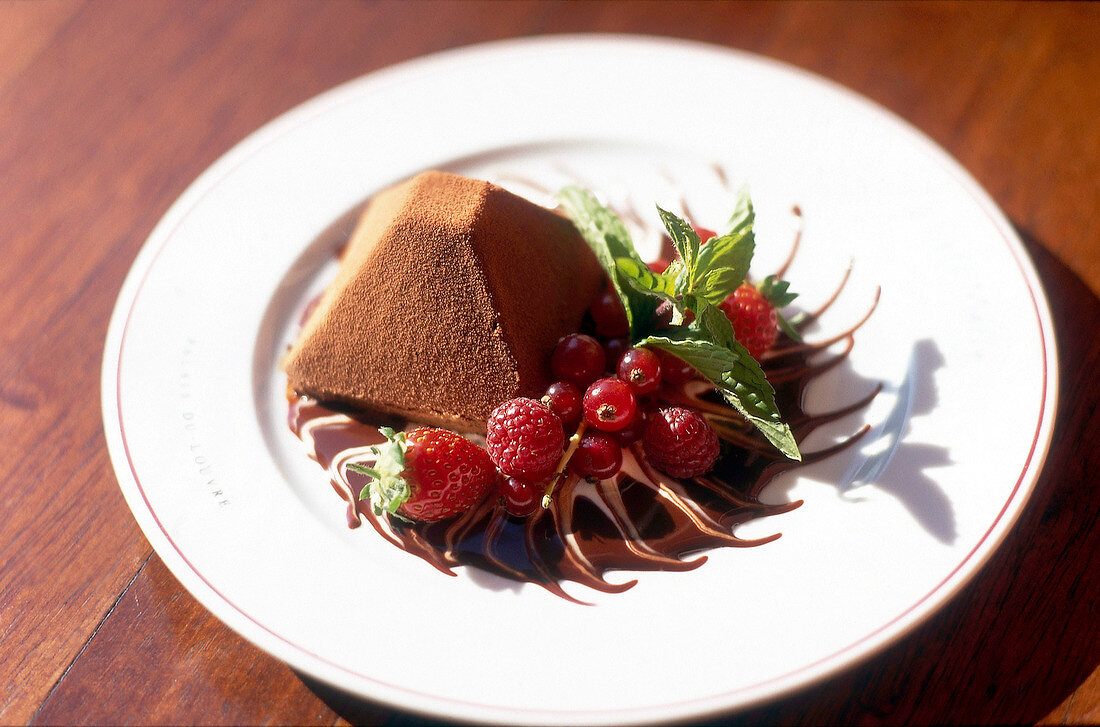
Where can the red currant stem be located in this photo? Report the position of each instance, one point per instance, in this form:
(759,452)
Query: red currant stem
(574,442)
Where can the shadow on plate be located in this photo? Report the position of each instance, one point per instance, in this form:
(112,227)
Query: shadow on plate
(884,458)
(898,466)
(1023,635)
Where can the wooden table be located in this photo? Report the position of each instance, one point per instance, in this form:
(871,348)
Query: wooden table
(108,110)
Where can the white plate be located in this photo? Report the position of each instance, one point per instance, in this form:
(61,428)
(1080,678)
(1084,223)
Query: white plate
(962,340)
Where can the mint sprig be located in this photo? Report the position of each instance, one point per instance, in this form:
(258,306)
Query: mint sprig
(687,243)
(737,377)
(712,271)
(724,261)
(388,489)
(644,280)
(609,239)
(702,277)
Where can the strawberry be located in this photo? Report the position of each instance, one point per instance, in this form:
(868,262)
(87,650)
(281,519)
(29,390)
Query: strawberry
(704,234)
(754,314)
(755,324)
(659,265)
(427,474)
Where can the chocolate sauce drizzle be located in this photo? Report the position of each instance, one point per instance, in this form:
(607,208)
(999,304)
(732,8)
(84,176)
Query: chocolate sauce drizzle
(639,520)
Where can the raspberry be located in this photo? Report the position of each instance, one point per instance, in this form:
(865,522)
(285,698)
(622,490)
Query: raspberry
(524,439)
(679,442)
(754,319)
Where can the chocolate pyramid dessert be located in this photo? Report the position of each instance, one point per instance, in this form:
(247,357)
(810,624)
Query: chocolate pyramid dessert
(450,298)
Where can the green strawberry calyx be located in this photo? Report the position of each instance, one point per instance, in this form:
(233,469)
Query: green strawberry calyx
(777,292)
(388,489)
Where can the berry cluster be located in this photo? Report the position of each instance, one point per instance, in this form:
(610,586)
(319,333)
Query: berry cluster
(609,412)
(605,397)
(613,412)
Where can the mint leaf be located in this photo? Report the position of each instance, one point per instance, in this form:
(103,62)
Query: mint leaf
(645,280)
(731,252)
(702,277)
(719,330)
(714,270)
(744,215)
(717,284)
(737,376)
(609,239)
(687,242)
(675,270)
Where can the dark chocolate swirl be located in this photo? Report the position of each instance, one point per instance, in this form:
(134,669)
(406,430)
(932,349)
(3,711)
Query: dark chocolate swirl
(639,520)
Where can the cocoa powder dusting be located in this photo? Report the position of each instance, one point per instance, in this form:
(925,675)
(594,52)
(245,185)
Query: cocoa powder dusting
(451,294)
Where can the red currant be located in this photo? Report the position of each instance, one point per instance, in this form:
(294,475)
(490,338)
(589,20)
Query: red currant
(578,358)
(608,315)
(609,404)
(675,370)
(597,455)
(564,399)
(521,498)
(614,348)
(641,370)
(633,431)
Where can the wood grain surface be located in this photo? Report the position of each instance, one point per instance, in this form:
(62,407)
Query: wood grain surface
(108,110)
